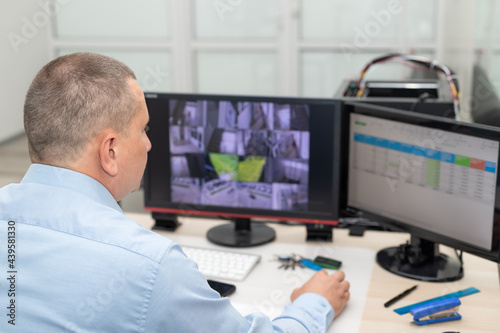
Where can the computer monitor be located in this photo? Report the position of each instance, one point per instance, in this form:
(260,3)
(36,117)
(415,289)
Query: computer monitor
(432,177)
(484,101)
(243,158)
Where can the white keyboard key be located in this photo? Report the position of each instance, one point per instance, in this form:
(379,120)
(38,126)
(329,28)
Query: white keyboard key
(222,264)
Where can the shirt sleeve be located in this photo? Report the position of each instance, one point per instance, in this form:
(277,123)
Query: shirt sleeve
(181,300)
(313,312)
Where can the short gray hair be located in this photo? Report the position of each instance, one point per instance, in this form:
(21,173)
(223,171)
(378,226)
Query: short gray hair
(71,100)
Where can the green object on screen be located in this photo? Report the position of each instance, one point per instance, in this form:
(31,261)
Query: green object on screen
(225,164)
(250,169)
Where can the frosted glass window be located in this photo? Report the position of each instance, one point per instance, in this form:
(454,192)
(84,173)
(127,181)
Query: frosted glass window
(482,20)
(105,19)
(420,20)
(324,74)
(494,24)
(249,73)
(362,22)
(153,69)
(235,19)
(487,22)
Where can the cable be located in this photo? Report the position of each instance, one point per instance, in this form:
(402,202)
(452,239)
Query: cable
(419,100)
(420,61)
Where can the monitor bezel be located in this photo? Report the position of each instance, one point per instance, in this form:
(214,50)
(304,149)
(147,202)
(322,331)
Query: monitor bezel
(473,129)
(183,209)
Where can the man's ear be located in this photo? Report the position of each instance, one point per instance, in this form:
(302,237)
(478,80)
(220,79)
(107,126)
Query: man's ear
(108,154)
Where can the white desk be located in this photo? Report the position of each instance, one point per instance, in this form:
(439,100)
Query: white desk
(267,289)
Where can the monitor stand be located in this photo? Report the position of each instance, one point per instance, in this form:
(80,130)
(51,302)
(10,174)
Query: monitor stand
(241,233)
(498,271)
(420,260)
(319,232)
(165,221)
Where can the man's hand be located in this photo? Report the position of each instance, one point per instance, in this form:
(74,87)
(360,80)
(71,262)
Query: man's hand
(333,287)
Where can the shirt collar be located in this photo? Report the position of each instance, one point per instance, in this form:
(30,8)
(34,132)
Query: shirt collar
(71,180)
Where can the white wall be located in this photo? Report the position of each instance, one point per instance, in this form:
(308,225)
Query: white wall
(24,49)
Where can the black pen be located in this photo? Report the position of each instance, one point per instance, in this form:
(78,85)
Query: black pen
(400,296)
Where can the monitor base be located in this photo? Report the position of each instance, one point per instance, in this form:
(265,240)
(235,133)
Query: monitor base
(416,262)
(241,233)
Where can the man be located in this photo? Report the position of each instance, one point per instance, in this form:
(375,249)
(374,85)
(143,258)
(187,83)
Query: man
(77,262)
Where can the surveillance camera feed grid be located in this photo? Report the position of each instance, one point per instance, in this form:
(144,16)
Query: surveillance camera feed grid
(239,154)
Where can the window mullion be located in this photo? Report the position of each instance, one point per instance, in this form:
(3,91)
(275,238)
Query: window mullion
(182,54)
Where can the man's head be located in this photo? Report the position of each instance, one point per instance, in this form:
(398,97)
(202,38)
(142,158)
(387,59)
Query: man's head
(86,112)
(73,98)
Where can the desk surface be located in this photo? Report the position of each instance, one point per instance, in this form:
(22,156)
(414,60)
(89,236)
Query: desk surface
(480,312)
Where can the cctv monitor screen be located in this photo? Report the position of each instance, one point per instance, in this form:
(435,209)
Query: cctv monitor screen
(433,177)
(243,157)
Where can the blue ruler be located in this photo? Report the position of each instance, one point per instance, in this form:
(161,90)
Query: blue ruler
(460,293)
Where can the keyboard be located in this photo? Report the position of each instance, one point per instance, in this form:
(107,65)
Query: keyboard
(222,264)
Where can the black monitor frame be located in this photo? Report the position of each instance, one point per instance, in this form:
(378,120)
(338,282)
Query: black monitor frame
(408,258)
(165,211)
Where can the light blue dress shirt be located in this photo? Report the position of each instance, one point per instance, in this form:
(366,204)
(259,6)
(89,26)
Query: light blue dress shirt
(78,264)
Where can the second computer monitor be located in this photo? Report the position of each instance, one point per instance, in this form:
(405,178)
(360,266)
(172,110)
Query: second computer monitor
(433,177)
